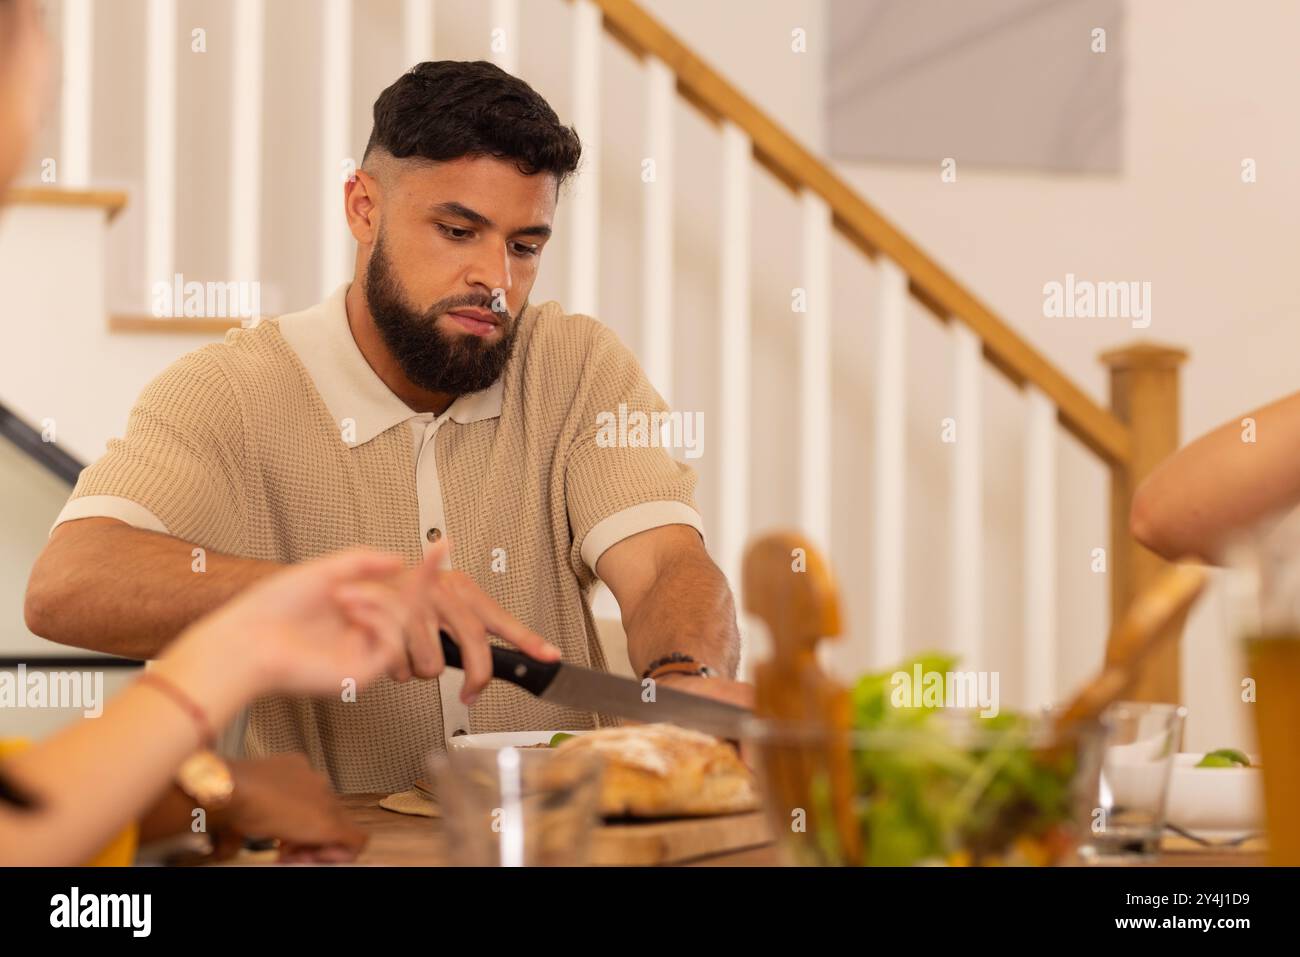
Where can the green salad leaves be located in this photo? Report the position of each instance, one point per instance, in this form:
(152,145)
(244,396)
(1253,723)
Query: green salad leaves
(936,787)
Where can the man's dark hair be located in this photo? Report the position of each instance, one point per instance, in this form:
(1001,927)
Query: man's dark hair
(445,109)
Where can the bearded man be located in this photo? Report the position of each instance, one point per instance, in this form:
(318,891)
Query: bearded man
(426,405)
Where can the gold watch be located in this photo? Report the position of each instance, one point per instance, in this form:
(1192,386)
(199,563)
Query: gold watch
(206,778)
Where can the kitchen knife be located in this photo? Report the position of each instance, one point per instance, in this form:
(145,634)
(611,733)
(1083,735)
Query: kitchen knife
(586,690)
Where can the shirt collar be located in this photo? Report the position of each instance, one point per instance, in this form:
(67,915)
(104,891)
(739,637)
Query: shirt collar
(350,389)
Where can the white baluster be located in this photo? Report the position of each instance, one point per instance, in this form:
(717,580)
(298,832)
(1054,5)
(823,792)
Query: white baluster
(967,609)
(889,465)
(160,143)
(815,373)
(657,305)
(734,338)
(417,30)
(336,121)
(584,198)
(247,72)
(1040,549)
(77,97)
(504,33)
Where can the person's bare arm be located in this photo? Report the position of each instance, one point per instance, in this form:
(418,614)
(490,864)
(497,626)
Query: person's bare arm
(673,598)
(104,585)
(1193,502)
(93,776)
(300,632)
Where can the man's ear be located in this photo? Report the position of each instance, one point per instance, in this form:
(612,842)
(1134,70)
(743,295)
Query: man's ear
(361,205)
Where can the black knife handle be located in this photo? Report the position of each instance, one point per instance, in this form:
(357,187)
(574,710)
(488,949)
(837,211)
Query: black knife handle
(507,664)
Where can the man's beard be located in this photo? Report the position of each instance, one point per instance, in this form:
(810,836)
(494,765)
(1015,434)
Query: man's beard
(430,358)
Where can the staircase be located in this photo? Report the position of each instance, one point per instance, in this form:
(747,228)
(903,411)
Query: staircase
(597,42)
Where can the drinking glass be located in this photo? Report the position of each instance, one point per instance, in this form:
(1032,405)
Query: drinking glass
(1140,742)
(517,807)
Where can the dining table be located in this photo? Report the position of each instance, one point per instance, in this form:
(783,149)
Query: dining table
(403,840)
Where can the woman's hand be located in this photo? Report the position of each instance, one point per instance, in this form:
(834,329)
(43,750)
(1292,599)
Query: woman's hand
(355,615)
(298,631)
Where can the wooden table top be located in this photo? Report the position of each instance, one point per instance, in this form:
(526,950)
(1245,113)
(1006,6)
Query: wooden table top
(404,840)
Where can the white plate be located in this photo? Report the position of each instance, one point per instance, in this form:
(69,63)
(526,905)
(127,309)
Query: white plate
(1215,803)
(504,739)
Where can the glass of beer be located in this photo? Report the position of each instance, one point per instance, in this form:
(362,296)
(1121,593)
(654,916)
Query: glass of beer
(1265,603)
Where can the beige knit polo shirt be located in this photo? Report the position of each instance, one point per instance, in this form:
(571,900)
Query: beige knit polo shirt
(281,443)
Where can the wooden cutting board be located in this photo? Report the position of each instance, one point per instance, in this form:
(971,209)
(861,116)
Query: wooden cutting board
(633,843)
(645,843)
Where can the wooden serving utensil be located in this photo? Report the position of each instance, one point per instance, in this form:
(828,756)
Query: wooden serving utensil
(789,587)
(1155,616)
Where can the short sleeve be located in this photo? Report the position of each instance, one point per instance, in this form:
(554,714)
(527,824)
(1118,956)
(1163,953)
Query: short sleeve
(620,475)
(179,467)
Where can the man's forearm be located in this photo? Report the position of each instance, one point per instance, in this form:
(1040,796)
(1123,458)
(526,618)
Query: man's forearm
(103,585)
(688,609)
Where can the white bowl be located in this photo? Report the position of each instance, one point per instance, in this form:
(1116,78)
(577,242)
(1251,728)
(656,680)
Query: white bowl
(503,739)
(1215,802)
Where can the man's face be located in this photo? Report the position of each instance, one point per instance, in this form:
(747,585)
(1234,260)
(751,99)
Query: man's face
(454,257)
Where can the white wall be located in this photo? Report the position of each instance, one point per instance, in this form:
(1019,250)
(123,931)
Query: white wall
(1208,84)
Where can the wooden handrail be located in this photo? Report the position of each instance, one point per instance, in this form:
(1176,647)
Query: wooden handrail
(150,324)
(783,156)
(111,201)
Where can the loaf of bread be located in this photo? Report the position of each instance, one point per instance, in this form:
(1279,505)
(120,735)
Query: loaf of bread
(661,770)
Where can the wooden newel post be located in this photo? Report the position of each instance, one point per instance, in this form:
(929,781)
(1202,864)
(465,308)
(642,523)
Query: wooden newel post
(1144,396)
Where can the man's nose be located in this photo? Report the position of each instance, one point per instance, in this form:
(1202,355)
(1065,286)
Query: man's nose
(490,268)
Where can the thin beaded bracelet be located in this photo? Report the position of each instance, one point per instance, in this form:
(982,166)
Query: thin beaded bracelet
(672,664)
(187,704)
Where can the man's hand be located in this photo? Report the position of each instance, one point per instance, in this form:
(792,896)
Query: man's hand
(721,689)
(281,797)
(428,598)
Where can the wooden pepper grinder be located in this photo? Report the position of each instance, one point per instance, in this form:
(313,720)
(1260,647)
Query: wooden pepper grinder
(789,587)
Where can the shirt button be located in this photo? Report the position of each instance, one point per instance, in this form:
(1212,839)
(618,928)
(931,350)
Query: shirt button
(458,732)
(433,535)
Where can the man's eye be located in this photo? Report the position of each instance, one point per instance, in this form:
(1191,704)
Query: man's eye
(455,232)
(523,249)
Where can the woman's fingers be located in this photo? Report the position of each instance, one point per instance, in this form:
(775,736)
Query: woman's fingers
(382,626)
(356,564)
(436,561)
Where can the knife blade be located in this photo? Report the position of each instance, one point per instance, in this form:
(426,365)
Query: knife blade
(586,690)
